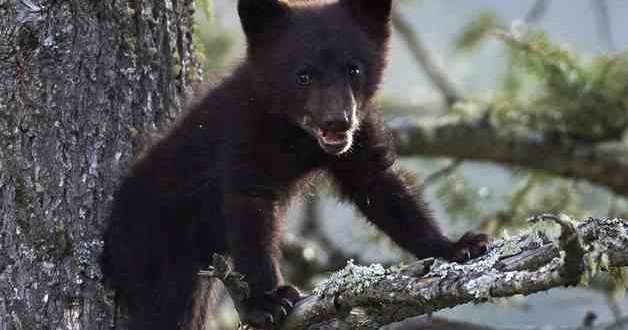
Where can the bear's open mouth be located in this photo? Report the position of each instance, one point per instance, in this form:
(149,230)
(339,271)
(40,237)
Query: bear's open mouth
(331,142)
(332,138)
(334,143)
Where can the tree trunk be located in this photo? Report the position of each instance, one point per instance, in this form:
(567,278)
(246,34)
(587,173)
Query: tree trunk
(83,85)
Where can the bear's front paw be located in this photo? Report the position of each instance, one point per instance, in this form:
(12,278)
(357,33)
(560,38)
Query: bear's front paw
(271,308)
(470,245)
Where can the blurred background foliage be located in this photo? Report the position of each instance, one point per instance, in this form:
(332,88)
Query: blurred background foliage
(510,68)
(213,42)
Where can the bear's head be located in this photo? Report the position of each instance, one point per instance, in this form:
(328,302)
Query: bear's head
(318,63)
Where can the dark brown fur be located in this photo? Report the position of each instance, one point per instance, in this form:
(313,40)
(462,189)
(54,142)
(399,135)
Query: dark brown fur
(219,181)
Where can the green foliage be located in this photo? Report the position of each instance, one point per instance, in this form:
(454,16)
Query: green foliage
(587,100)
(213,43)
(386,103)
(547,92)
(535,193)
(459,198)
(206,7)
(476,31)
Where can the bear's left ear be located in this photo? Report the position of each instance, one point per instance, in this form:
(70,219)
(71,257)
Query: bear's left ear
(374,13)
(256,16)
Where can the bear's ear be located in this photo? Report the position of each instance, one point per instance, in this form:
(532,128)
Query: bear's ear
(373,14)
(257,15)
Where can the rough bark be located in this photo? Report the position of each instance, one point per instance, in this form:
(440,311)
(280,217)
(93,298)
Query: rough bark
(367,298)
(604,164)
(84,84)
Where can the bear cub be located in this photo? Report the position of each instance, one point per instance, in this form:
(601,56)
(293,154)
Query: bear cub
(301,102)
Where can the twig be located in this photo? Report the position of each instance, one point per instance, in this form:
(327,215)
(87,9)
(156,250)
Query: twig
(537,12)
(234,282)
(570,243)
(444,171)
(603,23)
(424,59)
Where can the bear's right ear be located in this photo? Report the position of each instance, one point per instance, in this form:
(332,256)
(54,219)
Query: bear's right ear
(373,14)
(257,15)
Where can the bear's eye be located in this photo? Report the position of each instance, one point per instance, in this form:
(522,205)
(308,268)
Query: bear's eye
(304,77)
(354,70)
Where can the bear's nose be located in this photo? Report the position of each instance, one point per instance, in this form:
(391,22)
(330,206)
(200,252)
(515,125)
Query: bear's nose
(336,123)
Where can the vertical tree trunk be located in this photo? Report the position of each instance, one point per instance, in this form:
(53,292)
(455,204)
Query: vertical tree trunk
(82,85)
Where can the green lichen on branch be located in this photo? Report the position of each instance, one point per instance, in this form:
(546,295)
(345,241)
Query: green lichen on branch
(352,278)
(541,260)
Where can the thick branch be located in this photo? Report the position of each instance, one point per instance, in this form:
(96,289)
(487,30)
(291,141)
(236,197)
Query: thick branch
(366,298)
(370,297)
(437,323)
(604,164)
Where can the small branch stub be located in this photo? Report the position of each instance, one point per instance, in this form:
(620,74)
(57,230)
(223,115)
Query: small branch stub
(570,243)
(233,281)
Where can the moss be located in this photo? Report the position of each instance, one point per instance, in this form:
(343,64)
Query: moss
(194,75)
(176,67)
(27,38)
(152,54)
(72,301)
(62,246)
(130,42)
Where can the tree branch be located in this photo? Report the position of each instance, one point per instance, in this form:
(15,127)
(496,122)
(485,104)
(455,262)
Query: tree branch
(439,323)
(366,298)
(538,10)
(604,163)
(446,170)
(603,23)
(425,60)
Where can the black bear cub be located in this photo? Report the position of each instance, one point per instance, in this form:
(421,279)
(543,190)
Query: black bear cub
(301,102)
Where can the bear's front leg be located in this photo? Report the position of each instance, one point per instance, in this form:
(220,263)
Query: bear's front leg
(253,233)
(397,208)
(389,199)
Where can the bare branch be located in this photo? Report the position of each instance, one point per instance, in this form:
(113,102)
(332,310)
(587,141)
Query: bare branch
(603,23)
(424,59)
(444,171)
(538,10)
